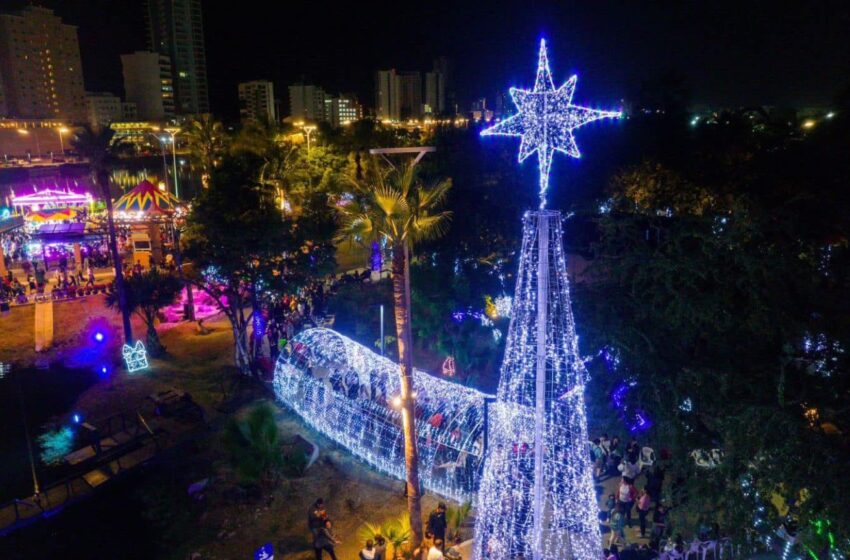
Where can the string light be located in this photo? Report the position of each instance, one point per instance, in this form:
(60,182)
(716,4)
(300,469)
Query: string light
(541,508)
(136,357)
(546,119)
(352,395)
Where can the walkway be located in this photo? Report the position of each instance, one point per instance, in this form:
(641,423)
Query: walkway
(43,325)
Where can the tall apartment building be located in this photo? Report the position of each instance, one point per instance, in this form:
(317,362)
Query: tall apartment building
(386,95)
(148,84)
(256,101)
(307,102)
(410,95)
(435,93)
(342,110)
(176,29)
(103,108)
(42,76)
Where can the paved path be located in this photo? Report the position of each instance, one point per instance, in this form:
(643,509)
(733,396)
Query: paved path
(43,325)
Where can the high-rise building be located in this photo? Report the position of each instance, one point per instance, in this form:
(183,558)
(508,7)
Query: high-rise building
(342,110)
(307,102)
(129,111)
(410,95)
(387,95)
(443,67)
(42,76)
(256,101)
(103,108)
(435,94)
(176,29)
(148,84)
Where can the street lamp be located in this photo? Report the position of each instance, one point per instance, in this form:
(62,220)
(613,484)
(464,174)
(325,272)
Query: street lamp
(308,130)
(161,140)
(173,131)
(62,130)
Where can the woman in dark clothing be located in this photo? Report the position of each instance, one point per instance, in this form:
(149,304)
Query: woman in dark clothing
(325,540)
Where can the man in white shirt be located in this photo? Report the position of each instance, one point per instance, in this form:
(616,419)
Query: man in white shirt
(435,552)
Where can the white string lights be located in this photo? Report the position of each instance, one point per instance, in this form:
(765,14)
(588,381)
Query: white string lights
(347,392)
(546,119)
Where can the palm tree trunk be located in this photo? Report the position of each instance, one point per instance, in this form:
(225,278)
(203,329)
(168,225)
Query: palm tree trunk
(178,257)
(103,179)
(401,301)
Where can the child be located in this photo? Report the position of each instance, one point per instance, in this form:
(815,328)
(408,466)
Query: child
(610,504)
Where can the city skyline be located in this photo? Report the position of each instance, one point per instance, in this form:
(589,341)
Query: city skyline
(793,58)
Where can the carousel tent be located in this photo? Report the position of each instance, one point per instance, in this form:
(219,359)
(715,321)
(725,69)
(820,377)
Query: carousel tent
(51,198)
(146,202)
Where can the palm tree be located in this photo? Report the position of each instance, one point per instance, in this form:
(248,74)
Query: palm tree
(395,206)
(146,294)
(205,138)
(96,146)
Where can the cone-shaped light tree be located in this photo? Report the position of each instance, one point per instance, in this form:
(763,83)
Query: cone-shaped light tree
(536,498)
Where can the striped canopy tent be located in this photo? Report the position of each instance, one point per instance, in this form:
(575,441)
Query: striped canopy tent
(52,215)
(50,198)
(146,203)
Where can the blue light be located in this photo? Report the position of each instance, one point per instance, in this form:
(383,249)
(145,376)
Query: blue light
(76,418)
(546,120)
(98,336)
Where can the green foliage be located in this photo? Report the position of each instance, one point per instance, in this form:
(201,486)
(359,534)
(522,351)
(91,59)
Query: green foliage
(254,447)
(395,531)
(147,293)
(55,444)
(457,516)
(731,293)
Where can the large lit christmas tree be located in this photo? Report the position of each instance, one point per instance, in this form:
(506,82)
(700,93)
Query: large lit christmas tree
(536,500)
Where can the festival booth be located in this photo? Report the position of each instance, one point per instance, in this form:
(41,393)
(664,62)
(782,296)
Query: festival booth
(55,220)
(149,214)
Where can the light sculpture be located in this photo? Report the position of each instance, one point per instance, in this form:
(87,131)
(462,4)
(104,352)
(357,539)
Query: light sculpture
(536,498)
(351,394)
(546,119)
(135,357)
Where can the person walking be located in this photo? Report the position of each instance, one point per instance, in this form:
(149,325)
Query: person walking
(437,523)
(325,541)
(644,504)
(316,517)
(618,533)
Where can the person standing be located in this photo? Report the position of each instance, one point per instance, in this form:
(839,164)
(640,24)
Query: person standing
(643,506)
(380,548)
(368,552)
(437,523)
(325,541)
(626,497)
(436,550)
(316,517)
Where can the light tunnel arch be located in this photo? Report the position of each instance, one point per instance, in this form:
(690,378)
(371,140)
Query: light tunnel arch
(345,390)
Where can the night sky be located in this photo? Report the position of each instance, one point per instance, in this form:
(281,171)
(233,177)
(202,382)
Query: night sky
(730,53)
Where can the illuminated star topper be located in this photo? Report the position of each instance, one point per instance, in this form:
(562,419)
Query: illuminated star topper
(546,120)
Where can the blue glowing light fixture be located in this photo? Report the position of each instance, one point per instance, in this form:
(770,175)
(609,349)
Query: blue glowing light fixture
(546,119)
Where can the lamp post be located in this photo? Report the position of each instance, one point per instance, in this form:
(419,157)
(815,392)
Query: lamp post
(173,131)
(308,130)
(62,130)
(161,140)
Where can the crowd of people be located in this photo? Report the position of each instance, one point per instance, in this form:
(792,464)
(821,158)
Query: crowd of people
(433,547)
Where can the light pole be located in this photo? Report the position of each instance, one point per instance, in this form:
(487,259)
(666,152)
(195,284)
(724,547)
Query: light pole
(308,130)
(173,131)
(162,140)
(62,130)
(382,329)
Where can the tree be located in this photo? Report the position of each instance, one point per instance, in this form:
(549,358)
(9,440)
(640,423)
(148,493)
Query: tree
(205,138)
(242,247)
(254,446)
(95,145)
(395,206)
(147,293)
